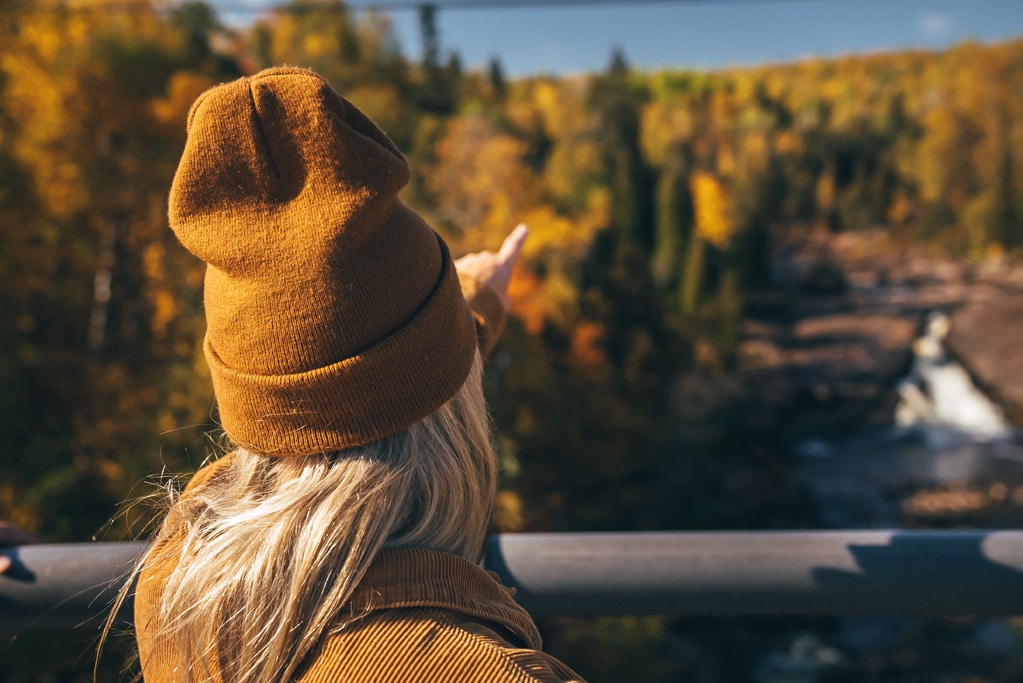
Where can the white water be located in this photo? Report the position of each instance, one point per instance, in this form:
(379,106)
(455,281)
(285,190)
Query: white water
(939,402)
(947,433)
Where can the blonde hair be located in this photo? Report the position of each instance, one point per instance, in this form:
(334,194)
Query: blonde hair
(267,554)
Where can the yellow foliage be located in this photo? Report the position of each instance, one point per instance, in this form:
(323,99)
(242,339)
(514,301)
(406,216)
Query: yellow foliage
(546,97)
(381,103)
(182,89)
(54,93)
(508,511)
(598,206)
(721,112)
(662,124)
(825,190)
(560,104)
(152,261)
(536,301)
(994,251)
(900,209)
(562,297)
(316,45)
(540,100)
(521,112)
(550,230)
(941,131)
(755,151)
(568,164)
(713,219)
(110,470)
(165,310)
(725,160)
(654,136)
(15,511)
(787,142)
(480,181)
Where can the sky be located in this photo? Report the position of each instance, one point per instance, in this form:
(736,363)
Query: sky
(696,34)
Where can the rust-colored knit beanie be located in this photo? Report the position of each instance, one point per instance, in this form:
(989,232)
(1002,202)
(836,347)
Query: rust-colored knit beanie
(334,315)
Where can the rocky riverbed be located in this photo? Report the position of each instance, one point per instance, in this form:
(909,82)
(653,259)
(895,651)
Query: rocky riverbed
(847,407)
(865,366)
(984,301)
(825,361)
(824,355)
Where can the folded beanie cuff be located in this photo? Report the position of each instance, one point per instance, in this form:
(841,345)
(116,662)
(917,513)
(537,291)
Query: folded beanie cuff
(379,391)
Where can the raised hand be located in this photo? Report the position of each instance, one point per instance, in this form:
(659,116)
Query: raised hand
(495,269)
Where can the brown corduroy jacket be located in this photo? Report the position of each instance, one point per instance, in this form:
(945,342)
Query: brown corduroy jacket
(440,618)
(433,616)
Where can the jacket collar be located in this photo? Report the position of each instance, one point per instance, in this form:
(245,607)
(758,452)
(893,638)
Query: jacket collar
(428,578)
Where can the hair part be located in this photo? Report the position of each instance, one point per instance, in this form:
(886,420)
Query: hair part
(267,554)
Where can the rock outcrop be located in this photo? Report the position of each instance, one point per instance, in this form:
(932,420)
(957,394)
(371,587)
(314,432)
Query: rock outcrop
(829,372)
(987,338)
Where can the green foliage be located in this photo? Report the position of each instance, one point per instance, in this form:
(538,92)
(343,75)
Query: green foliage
(690,292)
(616,108)
(674,217)
(619,649)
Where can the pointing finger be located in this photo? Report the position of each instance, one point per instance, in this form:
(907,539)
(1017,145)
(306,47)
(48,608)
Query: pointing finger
(513,243)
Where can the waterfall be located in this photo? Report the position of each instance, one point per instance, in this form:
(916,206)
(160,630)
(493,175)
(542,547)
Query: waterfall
(939,402)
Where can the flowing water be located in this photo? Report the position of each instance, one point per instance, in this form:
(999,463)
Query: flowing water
(950,459)
(947,437)
(938,400)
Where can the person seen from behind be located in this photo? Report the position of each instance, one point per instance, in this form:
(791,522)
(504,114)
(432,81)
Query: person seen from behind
(340,539)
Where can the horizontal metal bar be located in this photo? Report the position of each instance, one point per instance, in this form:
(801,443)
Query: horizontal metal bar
(765,573)
(673,574)
(64,586)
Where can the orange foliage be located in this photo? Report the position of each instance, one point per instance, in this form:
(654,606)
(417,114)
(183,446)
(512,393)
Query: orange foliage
(527,300)
(587,338)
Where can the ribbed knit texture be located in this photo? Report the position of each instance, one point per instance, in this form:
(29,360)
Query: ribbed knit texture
(436,618)
(334,314)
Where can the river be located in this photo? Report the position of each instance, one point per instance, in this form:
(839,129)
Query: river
(937,454)
(950,459)
(949,446)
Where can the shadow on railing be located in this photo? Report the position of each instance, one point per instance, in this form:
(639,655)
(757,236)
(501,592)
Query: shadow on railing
(956,573)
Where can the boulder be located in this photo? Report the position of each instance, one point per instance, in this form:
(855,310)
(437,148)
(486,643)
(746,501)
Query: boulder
(826,373)
(845,365)
(987,338)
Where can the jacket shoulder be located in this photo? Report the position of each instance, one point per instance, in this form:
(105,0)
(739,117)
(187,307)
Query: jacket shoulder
(419,645)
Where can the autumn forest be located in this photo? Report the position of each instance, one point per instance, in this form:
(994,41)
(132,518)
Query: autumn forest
(655,201)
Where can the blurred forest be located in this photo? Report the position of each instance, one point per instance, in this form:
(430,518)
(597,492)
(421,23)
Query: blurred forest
(655,201)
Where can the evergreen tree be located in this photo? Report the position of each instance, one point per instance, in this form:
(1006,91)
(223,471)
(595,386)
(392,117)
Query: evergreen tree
(631,184)
(674,216)
(496,80)
(440,83)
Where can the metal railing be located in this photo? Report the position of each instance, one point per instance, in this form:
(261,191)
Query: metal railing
(585,574)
